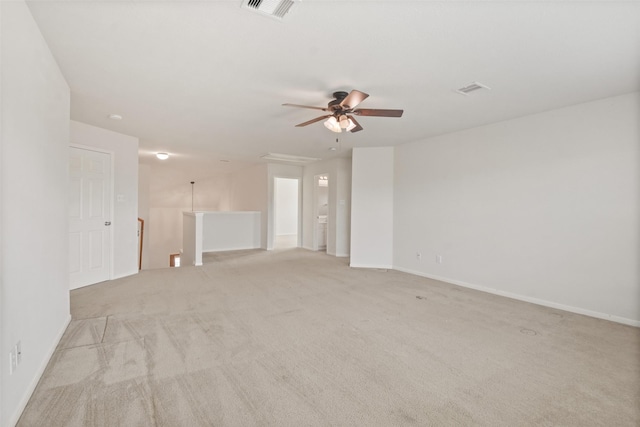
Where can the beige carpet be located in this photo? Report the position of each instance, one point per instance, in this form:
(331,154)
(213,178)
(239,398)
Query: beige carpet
(296,338)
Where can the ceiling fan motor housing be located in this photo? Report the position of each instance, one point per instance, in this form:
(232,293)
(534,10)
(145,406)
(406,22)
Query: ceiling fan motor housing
(334,105)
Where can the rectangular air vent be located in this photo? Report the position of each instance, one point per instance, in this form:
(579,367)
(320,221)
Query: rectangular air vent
(277,9)
(472,88)
(288,158)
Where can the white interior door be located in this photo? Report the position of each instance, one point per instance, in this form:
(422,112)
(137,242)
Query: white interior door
(89,217)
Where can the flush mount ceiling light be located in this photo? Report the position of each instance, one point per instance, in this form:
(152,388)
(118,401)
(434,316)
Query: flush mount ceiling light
(115,116)
(162,156)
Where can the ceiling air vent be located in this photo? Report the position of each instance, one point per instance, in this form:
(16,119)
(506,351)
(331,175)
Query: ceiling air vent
(288,158)
(273,8)
(472,88)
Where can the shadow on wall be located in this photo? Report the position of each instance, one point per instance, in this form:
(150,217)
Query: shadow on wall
(166,204)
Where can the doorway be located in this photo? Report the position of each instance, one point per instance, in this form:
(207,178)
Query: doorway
(286,213)
(90,191)
(321,212)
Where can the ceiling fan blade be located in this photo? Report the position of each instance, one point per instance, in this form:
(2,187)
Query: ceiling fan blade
(305,106)
(378,113)
(317,119)
(354,98)
(355,122)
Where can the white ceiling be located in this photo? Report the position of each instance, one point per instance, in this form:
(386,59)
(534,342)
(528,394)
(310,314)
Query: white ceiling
(206,79)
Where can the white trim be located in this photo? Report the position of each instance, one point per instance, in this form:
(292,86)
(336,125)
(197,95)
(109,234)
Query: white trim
(120,276)
(378,267)
(36,379)
(316,208)
(545,303)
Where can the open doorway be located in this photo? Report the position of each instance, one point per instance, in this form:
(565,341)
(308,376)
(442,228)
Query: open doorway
(321,211)
(286,208)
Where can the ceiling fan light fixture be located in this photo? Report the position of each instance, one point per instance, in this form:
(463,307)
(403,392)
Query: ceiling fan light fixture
(351,126)
(332,124)
(344,121)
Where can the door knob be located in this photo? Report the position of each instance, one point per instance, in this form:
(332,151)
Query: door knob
(107,223)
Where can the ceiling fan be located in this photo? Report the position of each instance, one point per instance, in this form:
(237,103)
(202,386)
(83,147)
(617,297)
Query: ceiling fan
(342,109)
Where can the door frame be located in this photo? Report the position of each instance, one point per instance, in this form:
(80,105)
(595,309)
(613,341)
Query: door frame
(271,211)
(114,224)
(316,209)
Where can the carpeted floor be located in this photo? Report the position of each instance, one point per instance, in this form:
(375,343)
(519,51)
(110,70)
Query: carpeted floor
(297,338)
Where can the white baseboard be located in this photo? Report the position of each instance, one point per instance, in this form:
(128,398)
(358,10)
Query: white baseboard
(551,304)
(324,250)
(127,274)
(36,379)
(119,276)
(378,267)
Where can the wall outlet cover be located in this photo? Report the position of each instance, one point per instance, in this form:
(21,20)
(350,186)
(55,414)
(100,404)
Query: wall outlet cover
(13,361)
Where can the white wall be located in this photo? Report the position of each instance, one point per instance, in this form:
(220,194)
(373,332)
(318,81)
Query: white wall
(286,206)
(372,208)
(230,231)
(124,151)
(249,192)
(339,215)
(543,208)
(164,229)
(34,277)
(343,208)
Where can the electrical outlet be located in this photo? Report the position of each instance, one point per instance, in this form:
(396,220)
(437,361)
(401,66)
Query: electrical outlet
(19,353)
(418,256)
(439,259)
